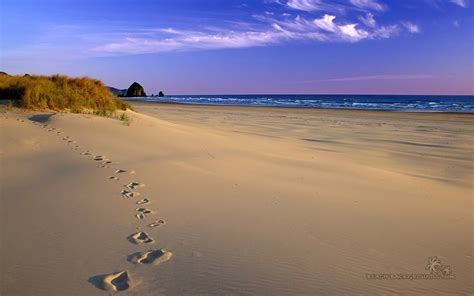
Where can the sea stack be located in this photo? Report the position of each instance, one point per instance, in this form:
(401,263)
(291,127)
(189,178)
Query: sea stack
(136,90)
(161,94)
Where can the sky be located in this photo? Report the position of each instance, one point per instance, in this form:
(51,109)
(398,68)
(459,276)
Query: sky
(246,47)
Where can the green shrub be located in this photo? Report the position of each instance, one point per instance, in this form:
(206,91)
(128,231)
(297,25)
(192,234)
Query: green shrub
(60,92)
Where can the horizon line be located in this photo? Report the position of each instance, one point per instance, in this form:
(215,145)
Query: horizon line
(317,94)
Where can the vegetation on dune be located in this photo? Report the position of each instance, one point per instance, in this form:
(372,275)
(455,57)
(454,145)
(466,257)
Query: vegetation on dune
(60,92)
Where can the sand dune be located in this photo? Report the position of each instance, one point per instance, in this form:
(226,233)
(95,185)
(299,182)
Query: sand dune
(256,201)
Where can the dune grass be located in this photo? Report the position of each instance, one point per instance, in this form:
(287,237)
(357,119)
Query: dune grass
(60,93)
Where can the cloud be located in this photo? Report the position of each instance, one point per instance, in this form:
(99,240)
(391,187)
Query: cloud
(326,23)
(441,3)
(188,40)
(345,32)
(352,33)
(271,30)
(368,20)
(370,4)
(184,40)
(411,27)
(385,32)
(377,77)
(462,3)
(314,5)
(307,5)
(336,6)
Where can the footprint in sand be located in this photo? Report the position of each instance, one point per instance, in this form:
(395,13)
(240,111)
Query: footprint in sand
(120,171)
(142,213)
(85,153)
(114,178)
(140,216)
(98,158)
(134,185)
(129,194)
(140,238)
(154,257)
(117,281)
(105,163)
(157,223)
(143,201)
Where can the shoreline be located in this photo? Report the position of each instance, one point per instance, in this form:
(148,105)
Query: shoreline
(296,107)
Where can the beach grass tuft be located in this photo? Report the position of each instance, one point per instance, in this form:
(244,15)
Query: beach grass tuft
(60,93)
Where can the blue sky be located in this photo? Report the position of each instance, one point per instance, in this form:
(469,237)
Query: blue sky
(258,46)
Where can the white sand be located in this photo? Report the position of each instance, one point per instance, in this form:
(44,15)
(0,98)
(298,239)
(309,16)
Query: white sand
(256,201)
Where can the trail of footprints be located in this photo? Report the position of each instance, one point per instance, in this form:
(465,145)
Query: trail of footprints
(120,281)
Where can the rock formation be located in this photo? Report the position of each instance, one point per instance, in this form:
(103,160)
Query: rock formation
(135,90)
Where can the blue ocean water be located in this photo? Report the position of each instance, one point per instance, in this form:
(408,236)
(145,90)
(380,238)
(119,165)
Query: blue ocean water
(408,103)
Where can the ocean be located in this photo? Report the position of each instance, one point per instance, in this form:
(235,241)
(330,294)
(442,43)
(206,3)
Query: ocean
(406,103)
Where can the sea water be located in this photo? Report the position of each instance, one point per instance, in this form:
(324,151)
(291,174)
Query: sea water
(414,103)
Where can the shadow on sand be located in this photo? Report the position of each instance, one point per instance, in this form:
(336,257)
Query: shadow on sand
(42,118)
(117,281)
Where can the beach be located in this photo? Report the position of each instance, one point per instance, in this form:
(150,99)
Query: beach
(253,201)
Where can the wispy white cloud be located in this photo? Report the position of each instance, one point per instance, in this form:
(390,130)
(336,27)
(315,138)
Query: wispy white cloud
(189,40)
(336,6)
(385,32)
(462,3)
(307,5)
(368,20)
(326,23)
(375,77)
(314,5)
(348,32)
(370,4)
(441,3)
(351,32)
(270,31)
(411,27)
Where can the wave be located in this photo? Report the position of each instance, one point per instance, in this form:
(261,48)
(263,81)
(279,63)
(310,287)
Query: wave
(464,104)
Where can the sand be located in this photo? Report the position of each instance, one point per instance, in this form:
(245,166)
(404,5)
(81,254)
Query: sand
(243,201)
